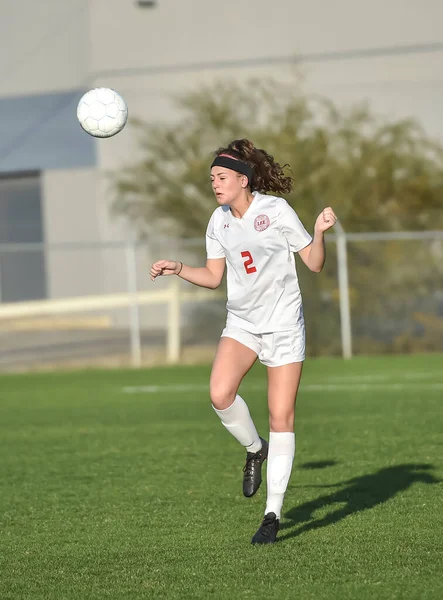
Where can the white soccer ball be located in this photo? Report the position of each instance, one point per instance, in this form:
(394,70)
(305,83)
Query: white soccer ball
(102,112)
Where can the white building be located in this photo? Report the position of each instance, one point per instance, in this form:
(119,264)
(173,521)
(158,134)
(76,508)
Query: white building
(52,184)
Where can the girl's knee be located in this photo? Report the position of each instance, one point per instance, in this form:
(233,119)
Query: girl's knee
(221,396)
(280,423)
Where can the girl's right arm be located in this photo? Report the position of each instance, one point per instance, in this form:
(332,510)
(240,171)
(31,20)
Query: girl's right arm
(209,276)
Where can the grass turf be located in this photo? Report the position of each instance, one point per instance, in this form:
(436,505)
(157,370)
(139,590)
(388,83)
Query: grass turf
(109,491)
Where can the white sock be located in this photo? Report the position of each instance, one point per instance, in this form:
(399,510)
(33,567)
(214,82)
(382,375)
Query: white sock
(237,420)
(280,457)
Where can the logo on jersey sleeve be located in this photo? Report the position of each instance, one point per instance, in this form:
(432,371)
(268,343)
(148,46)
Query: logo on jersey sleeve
(261,222)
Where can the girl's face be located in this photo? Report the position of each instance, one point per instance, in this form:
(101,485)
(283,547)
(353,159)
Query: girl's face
(227,184)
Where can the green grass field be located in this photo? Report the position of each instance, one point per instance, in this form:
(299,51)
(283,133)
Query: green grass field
(124,485)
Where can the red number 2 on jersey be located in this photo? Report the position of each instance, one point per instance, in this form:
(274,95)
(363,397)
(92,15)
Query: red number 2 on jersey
(248,262)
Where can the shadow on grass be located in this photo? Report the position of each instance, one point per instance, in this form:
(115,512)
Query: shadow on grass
(318,464)
(360,493)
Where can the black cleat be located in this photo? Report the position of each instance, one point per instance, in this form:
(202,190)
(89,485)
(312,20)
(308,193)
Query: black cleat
(252,469)
(267,532)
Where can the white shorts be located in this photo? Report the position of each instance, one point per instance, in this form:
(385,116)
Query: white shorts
(273,349)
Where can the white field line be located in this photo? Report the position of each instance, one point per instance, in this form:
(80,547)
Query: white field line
(343,387)
(385,377)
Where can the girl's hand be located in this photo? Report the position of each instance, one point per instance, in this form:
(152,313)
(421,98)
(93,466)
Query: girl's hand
(164,267)
(325,220)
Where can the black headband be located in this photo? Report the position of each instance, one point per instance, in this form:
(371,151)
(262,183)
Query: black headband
(234,165)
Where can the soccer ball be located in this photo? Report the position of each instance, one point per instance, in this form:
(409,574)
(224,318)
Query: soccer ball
(102,112)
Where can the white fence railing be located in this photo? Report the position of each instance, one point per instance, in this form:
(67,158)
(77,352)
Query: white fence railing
(173,294)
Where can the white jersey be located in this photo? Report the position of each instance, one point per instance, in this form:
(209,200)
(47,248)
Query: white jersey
(263,290)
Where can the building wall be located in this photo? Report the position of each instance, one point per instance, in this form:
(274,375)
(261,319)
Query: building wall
(383,53)
(194,32)
(71,215)
(45,46)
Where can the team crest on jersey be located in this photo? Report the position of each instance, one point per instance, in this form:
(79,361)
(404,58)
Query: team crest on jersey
(261,222)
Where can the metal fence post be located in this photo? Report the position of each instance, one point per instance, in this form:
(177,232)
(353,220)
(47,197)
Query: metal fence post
(343,284)
(134,313)
(174,340)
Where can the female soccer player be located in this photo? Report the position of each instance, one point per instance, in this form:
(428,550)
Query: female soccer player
(255,234)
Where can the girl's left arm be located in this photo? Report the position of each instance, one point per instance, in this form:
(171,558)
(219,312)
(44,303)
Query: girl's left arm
(314,255)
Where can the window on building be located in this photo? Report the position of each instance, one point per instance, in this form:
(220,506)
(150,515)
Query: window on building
(22,271)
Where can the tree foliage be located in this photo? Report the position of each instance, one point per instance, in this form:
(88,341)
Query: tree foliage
(377,175)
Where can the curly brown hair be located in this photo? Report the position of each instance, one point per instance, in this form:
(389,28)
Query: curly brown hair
(268,175)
